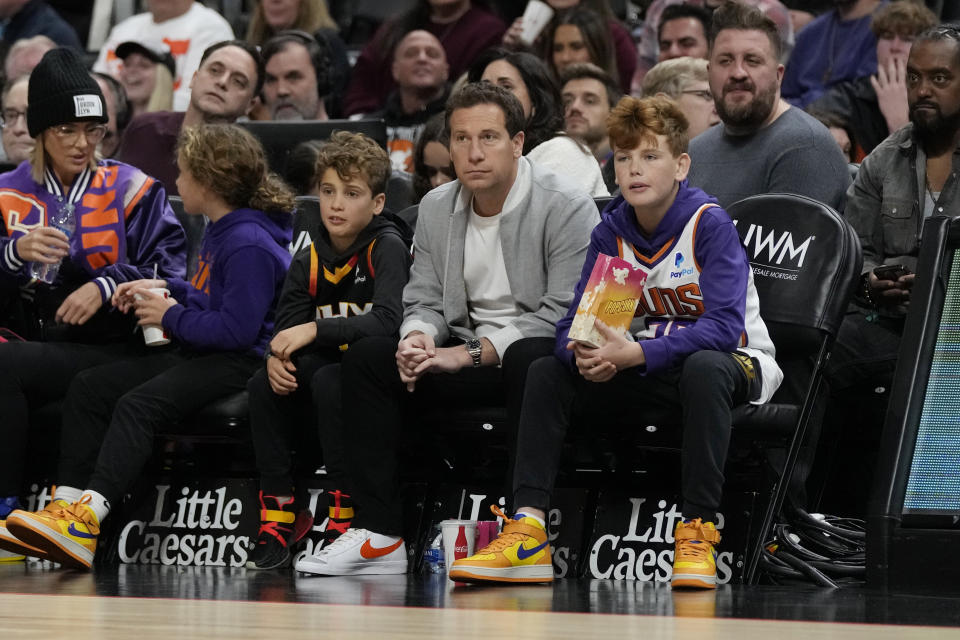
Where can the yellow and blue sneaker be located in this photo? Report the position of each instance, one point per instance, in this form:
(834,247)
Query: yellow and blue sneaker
(65,534)
(694,557)
(520,553)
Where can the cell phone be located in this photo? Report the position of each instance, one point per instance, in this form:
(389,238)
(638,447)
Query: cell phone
(890,271)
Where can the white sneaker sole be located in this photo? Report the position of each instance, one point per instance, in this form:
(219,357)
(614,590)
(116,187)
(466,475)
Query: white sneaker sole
(693,580)
(13,549)
(9,556)
(55,545)
(310,564)
(525,573)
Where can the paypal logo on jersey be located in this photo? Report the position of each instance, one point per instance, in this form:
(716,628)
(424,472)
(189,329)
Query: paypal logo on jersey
(680,272)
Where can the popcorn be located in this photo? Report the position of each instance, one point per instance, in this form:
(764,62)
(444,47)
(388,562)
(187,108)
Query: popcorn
(611,295)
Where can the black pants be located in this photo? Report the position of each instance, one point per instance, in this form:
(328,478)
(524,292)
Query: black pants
(375,401)
(859,377)
(706,387)
(864,352)
(33,374)
(112,412)
(279,422)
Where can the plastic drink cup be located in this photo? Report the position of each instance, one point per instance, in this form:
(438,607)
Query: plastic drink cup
(536,15)
(153,334)
(486,532)
(459,537)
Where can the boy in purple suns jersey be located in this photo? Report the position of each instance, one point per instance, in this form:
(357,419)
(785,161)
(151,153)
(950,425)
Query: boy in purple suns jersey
(697,343)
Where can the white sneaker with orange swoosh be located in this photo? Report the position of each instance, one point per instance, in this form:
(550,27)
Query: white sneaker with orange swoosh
(356,552)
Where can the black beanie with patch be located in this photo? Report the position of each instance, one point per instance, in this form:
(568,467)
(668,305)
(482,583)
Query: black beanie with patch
(62,91)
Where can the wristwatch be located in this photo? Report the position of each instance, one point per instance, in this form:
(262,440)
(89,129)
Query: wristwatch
(475,349)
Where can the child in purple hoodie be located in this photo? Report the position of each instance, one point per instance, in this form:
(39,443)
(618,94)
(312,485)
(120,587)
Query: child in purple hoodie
(697,344)
(220,323)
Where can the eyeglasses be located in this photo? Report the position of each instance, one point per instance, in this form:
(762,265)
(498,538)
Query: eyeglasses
(700,93)
(69,134)
(10,117)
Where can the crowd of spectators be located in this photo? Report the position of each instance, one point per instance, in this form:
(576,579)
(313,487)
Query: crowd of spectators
(848,68)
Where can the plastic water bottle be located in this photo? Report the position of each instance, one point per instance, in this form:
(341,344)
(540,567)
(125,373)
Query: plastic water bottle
(433,558)
(62,221)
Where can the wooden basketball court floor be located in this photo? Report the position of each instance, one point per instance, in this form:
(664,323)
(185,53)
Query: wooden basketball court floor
(145,602)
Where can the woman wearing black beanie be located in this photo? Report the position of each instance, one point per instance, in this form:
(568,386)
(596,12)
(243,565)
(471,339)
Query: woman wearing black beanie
(72,228)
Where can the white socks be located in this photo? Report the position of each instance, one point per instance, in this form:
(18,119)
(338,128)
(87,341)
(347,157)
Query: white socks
(99,504)
(67,494)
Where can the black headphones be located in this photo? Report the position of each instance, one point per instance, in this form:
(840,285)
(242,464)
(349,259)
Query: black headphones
(317,49)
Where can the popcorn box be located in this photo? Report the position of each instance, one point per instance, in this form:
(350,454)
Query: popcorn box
(611,296)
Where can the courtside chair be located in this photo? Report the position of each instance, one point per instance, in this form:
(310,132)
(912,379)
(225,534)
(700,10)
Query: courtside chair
(806,262)
(307,222)
(193,226)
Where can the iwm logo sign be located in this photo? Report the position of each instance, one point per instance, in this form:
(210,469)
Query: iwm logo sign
(775,254)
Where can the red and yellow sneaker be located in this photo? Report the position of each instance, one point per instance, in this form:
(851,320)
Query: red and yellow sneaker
(694,558)
(66,534)
(272,549)
(339,516)
(520,553)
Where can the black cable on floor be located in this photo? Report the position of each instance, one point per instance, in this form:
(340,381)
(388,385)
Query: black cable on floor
(827,551)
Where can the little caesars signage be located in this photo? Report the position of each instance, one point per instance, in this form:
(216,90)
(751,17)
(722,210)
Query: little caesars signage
(633,540)
(191,526)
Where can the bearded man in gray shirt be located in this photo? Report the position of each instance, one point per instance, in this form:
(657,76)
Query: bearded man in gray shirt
(763,145)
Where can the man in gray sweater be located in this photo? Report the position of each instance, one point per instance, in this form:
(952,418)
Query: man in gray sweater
(497,253)
(763,145)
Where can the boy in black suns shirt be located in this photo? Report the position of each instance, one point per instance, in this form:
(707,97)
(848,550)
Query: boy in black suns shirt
(347,285)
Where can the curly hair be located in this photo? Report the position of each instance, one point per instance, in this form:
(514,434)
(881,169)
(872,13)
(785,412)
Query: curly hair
(902,18)
(637,120)
(354,154)
(229,161)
